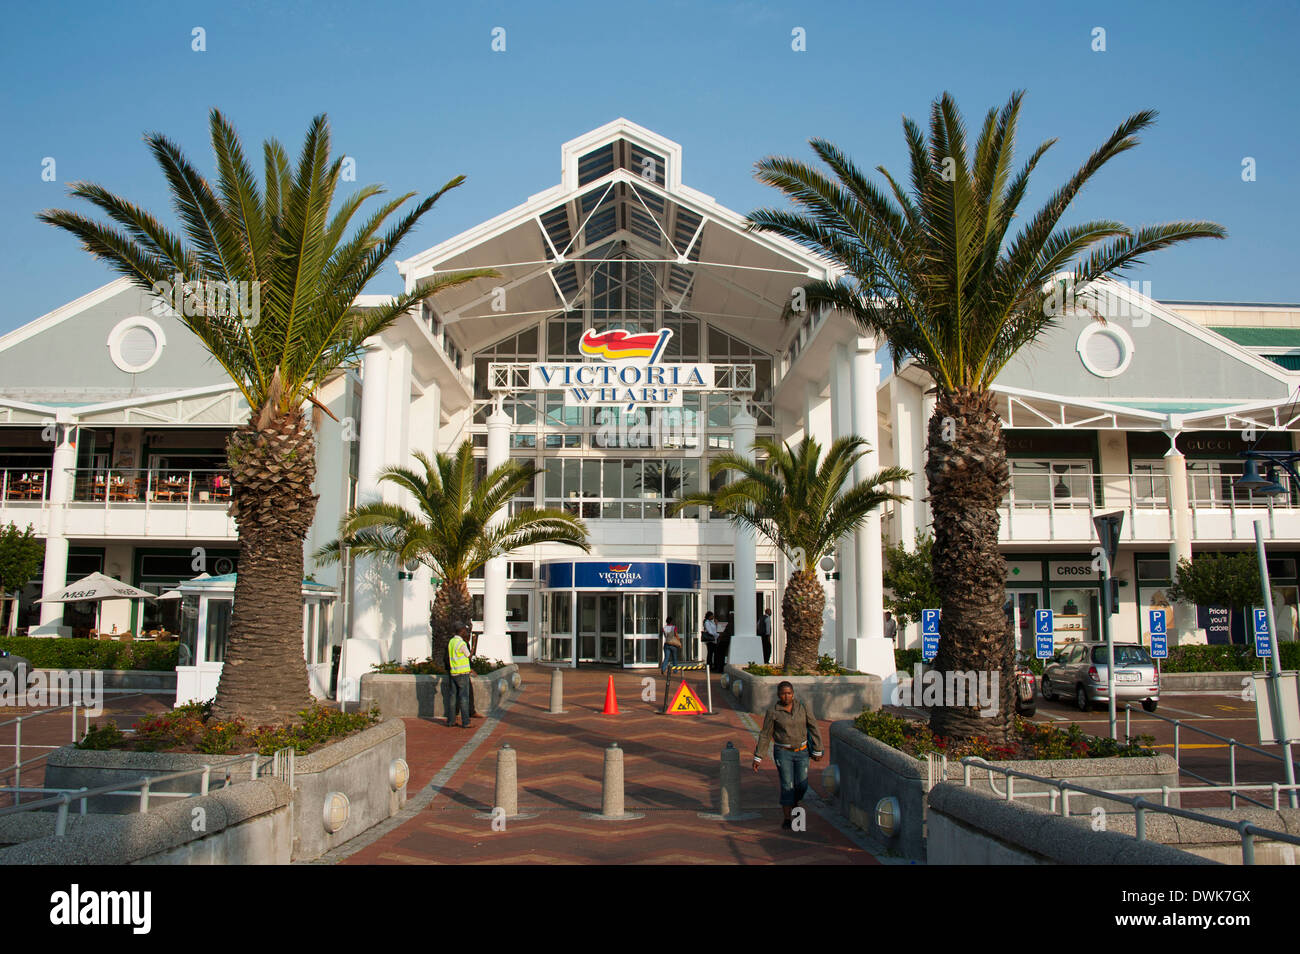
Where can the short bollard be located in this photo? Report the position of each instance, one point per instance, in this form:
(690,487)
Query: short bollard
(611,791)
(507,797)
(730,773)
(557,691)
(729,798)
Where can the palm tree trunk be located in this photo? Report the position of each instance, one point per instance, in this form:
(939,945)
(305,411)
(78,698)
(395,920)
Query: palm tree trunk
(801,612)
(272,463)
(968,477)
(451,605)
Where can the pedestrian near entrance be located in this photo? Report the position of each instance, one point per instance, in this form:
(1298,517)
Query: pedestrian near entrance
(672,646)
(891,627)
(791,730)
(765,634)
(711,641)
(458,653)
(725,631)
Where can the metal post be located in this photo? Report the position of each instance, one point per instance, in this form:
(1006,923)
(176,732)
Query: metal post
(729,775)
(61,823)
(1178,751)
(1105,635)
(207,777)
(1274,687)
(557,690)
(83,802)
(1232,770)
(1128,723)
(1140,819)
(74,720)
(18,760)
(1247,845)
(144,796)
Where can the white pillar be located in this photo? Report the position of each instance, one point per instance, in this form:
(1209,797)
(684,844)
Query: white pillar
(494,643)
(928,402)
(870,651)
(843,425)
(1184,628)
(55,574)
(905,413)
(368,581)
(416,637)
(746,647)
(814,426)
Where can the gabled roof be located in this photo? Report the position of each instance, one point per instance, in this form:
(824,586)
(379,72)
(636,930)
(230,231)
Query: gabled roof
(620,198)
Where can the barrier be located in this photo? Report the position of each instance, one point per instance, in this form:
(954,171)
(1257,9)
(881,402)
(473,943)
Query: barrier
(688,667)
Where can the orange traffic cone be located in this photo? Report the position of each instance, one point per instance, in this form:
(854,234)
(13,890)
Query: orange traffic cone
(611,700)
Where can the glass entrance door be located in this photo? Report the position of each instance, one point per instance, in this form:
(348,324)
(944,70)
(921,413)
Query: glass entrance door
(642,623)
(607,613)
(588,627)
(1021,605)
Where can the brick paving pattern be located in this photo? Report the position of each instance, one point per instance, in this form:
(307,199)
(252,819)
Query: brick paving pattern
(671,771)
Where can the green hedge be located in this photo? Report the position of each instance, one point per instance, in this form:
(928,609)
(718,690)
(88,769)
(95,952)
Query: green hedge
(905,659)
(1234,658)
(56,653)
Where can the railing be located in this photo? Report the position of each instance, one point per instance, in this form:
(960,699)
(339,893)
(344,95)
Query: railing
(1062,789)
(152,486)
(281,765)
(17,723)
(1060,496)
(1232,787)
(26,484)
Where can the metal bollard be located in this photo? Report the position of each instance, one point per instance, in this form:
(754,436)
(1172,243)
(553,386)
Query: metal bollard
(507,795)
(611,794)
(557,691)
(730,774)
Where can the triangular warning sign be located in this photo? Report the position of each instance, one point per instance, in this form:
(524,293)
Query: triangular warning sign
(686,701)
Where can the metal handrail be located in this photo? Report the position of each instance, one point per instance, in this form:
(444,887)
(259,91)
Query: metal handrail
(143,788)
(1233,745)
(17,722)
(1140,805)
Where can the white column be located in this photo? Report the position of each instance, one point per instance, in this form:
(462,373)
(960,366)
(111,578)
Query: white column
(842,425)
(746,647)
(368,582)
(814,426)
(870,651)
(55,575)
(416,638)
(1184,629)
(905,413)
(494,643)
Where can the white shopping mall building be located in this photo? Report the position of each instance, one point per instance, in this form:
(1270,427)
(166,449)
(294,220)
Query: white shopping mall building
(113,422)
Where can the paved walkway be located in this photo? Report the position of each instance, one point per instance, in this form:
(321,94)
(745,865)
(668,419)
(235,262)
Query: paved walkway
(671,771)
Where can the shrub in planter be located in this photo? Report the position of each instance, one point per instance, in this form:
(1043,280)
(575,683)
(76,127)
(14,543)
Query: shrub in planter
(826,666)
(478,665)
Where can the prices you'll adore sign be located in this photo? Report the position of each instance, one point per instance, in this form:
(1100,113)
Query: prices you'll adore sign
(628,374)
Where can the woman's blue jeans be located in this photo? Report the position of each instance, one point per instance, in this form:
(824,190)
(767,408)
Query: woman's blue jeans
(792,769)
(670,659)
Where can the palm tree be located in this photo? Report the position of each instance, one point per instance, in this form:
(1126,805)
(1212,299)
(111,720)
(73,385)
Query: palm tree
(282,240)
(803,504)
(451,532)
(934,271)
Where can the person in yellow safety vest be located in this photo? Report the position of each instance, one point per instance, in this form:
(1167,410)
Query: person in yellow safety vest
(458,653)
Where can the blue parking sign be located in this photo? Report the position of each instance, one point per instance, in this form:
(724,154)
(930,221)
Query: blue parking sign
(1044,637)
(1263,640)
(1158,626)
(929,633)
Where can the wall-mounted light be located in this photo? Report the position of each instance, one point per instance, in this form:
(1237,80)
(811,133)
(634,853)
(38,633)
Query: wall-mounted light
(336,811)
(888,816)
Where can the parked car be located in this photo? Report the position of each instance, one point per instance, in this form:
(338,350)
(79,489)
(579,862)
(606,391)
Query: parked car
(1078,672)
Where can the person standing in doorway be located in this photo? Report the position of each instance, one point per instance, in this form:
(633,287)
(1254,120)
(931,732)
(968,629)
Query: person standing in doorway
(765,634)
(891,627)
(711,641)
(672,646)
(462,687)
(790,729)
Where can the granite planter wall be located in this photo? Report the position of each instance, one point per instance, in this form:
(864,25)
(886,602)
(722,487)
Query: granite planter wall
(870,770)
(357,766)
(428,697)
(829,697)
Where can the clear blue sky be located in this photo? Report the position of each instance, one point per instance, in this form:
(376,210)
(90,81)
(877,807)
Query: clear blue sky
(416,94)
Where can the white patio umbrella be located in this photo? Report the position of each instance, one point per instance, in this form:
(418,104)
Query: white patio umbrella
(96,588)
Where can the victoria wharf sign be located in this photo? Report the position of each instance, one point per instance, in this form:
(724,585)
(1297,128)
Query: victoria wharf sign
(628,372)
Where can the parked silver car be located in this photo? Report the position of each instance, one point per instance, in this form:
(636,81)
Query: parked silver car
(1078,672)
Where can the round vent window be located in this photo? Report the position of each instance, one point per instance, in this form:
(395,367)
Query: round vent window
(1105,350)
(136,344)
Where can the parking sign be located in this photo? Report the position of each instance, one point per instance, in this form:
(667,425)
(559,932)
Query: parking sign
(1159,633)
(1044,637)
(1263,640)
(929,633)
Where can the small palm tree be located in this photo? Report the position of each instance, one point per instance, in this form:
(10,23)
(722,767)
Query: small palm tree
(804,504)
(937,272)
(451,532)
(281,239)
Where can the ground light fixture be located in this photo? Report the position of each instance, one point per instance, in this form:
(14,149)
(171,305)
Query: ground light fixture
(399,773)
(336,811)
(888,816)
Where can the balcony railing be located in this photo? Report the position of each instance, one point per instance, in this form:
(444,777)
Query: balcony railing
(1061,505)
(132,486)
